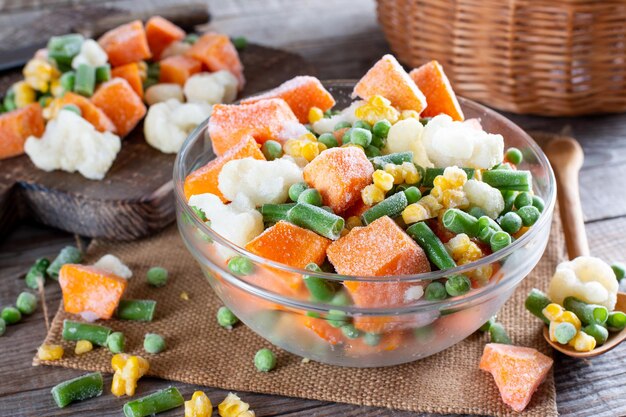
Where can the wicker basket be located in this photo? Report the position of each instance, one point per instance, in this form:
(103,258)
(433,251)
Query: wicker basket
(548,57)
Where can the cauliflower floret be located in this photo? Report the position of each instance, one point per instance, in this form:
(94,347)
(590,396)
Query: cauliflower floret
(326,125)
(91,53)
(163,92)
(175,48)
(450,143)
(211,88)
(406,135)
(261,181)
(114,265)
(167,124)
(587,278)
(484,196)
(71,143)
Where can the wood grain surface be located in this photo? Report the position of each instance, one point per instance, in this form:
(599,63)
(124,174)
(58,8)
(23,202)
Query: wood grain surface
(342,43)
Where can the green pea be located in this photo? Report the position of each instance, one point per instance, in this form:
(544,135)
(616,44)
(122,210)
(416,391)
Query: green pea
(342,125)
(381,128)
(514,156)
(296,189)
(265,360)
(539,203)
(435,291)
(153,343)
(362,124)
(523,199)
(310,196)
(619,269)
(412,194)
(350,331)
(372,151)
(226,318)
(3,326)
(345,139)
(360,136)
(11,315)
(37,273)
(240,43)
(116,342)
(26,303)
(458,285)
(240,265)
(564,332)
(485,327)
(371,339)
(477,212)
(511,222)
(157,276)
(378,141)
(328,139)
(272,150)
(529,215)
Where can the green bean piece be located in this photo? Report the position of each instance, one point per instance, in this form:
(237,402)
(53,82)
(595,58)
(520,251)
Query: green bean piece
(157,276)
(511,222)
(432,173)
(342,125)
(264,360)
(9,100)
(103,73)
(508,180)
(476,212)
(509,199)
(310,196)
(381,128)
(3,326)
(85,80)
(193,38)
(198,212)
(158,402)
(458,221)
(296,189)
(505,166)
(616,321)
(272,150)
(336,318)
(226,318)
(68,255)
(529,215)
(37,273)
(11,315)
(341,298)
(486,221)
(372,151)
(360,136)
(619,269)
(499,240)
(153,343)
(412,194)
(539,203)
(536,301)
(273,213)
(435,291)
(73,108)
(362,124)
(485,234)
(523,199)
(350,331)
(485,327)
(436,252)
(564,332)
(598,332)
(240,265)
(497,334)
(316,219)
(319,288)
(26,303)
(63,49)
(587,313)
(95,333)
(240,43)
(78,389)
(514,156)
(393,158)
(328,139)
(371,339)
(136,310)
(458,285)
(116,342)
(391,206)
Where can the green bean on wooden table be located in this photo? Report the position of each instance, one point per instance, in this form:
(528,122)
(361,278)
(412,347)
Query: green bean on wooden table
(316,219)
(136,310)
(78,389)
(157,402)
(536,301)
(431,244)
(508,180)
(391,206)
(68,255)
(95,333)
(458,221)
(587,313)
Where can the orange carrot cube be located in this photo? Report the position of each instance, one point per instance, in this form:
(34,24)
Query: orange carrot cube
(518,371)
(16,126)
(387,78)
(89,111)
(205,179)
(217,52)
(264,120)
(440,97)
(125,44)
(90,289)
(117,99)
(339,174)
(130,72)
(161,33)
(178,68)
(322,329)
(301,93)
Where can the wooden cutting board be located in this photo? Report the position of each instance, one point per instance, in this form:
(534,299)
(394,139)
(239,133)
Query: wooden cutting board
(136,196)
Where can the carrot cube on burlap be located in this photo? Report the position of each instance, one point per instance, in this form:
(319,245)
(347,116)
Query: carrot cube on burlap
(264,120)
(130,72)
(88,110)
(217,52)
(205,179)
(387,78)
(518,371)
(117,99)
(177,69)
(87,289)
(16,126)
(339,174)
(301,93)
(126,43)
(161,33)
(440,97)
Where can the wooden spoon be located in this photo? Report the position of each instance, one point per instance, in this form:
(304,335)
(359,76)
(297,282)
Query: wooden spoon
(566,157)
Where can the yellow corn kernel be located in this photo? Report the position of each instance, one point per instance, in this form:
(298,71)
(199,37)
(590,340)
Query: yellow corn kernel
(383,180)
(455,176)
(232,406)
(582,342)
(38,73)
(396,172)
(454,198)
(409,114)
(572,318)
(55,88)
(308,136)
(315,114)
(552,330)
(372,195)
(414,213)
(310,150)
(118,386)
(143,70)
(118,361)
(50,352)
(375,109)
(321,147)
(410,173)
(128,369)
(199,405)
(553,311)
(353,221)
(481,275)
(293,147)
(431,204)
(379,101)
(83,346)
(457,245)
(248,413)
(24,94)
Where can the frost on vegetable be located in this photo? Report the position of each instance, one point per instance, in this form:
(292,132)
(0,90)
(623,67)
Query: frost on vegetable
(450,143)
(211,88)
(484,196)
(406,135)
(587,278)
(114,265)
(71,143)
(91,53)
(168,124)
(262,182)
(327,125)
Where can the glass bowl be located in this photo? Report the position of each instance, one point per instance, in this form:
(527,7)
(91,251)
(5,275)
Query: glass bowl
(272,301)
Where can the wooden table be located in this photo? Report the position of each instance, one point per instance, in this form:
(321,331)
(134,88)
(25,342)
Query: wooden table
(342,43)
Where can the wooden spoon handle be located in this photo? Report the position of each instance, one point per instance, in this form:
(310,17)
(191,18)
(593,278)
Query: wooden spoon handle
(566,157)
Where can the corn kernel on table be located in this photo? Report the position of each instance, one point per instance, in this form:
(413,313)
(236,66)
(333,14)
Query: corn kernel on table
(346,44)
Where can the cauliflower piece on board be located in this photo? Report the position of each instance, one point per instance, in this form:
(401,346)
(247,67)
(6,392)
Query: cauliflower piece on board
(450,143)
(326,125)
(406,135)
(484,196)
(168,124)
(163,92)
(113,264)
(261,181)
(71,143)
(211,88)
(91,53)
(587,278)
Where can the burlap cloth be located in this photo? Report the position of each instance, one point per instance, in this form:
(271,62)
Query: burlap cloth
(200,352)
